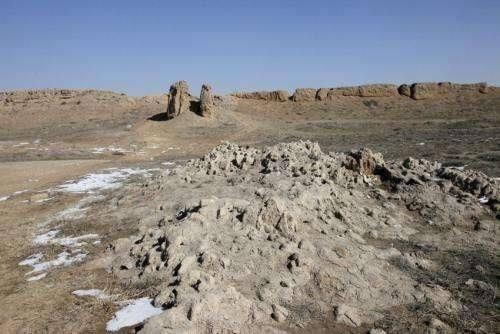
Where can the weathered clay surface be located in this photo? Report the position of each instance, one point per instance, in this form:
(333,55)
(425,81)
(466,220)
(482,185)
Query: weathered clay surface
(207,103)
(304,95)
(428,90)
(374,90)
(276,95)
(246,238)
(179,99)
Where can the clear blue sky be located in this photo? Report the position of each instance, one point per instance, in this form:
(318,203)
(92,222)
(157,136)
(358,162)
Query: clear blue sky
(140,47)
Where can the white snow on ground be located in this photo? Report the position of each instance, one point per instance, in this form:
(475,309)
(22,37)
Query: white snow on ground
(63,259)
(44,200)
(101,150)
(37,277)
(31,260)
(45,238)
(484,200)
(91,184)
(19,192)
(100,181)
(97,293)
(74,241)
(136,312)
(168,163)
(70,241)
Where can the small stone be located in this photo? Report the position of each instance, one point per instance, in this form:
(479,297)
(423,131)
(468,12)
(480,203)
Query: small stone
(376,331)
(279,313)
(347,315)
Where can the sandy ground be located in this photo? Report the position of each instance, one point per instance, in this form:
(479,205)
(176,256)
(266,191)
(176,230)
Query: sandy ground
(53,148)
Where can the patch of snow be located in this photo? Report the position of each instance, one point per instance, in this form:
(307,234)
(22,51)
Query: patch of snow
(4,198)
(44,239)
(168,163)
(100,181)
(72,213)
(37,277)
(70,241)
(63,259)
(44,200)
(421,144)
(136,312)
(484,200)
(31,260)
(74,241)
(101,150)
(97,293)
(19,192)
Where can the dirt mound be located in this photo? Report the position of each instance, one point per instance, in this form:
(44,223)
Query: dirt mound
(248,239)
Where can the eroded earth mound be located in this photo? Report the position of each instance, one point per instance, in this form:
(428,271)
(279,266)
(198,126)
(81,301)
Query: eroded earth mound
(286,237)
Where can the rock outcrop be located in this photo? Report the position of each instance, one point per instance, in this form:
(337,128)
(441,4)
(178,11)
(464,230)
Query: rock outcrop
(179,99)
(276,95)
(416,91)
(207,103)
(426,90)
(374,90)
(304,95)
(325,94)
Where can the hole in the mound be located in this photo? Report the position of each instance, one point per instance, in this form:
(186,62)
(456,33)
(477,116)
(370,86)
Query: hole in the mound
(240,215)
(184,213)
(142,262)
(164,256)
(171,303)
(196,285)
(175,283)
(159,242)
(175,272)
